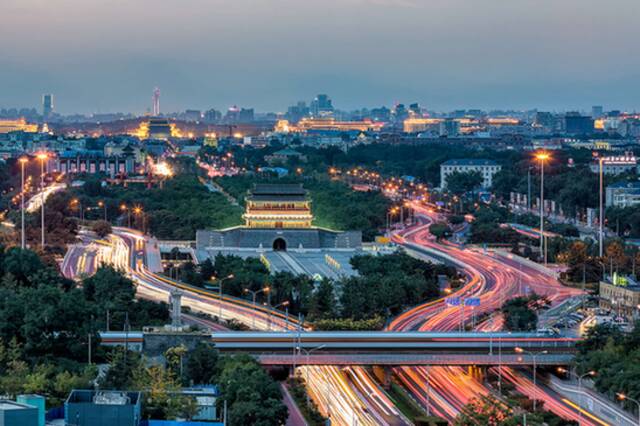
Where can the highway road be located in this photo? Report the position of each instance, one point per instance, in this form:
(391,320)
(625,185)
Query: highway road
(492,278)
(127,250)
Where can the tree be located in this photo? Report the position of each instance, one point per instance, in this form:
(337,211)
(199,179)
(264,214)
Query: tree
(440,230)
(102,228)
(21,263)
(519,314)
(119,374)
(202,365)
(253,397)
(462,182)
(323,301)
(484,410)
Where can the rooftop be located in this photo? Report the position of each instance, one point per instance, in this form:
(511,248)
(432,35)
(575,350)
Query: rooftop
(6,405)
(629,184)
(470,162)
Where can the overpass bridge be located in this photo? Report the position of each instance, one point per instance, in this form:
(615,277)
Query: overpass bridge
(379,347)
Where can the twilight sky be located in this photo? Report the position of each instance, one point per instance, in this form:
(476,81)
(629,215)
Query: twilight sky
(107,55)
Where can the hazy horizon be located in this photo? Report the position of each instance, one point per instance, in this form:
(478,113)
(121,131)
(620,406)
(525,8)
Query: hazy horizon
(108,55)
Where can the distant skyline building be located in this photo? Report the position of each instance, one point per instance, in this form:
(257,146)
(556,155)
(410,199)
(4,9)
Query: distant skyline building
(577,124)
(47,106)
(597,111)
(156,102)
(321,106)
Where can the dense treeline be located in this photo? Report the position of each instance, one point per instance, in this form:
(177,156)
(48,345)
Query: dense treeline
(385,285)
(615,357)
(252,396)
(47,321)
(176,211)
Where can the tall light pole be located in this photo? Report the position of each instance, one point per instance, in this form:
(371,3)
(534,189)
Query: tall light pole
(307,353)
(623,397)
(228,277)
(535,358)
(137,210)
(254,294)
(42,157)
(23,161)
(104,207)
(579,377)
(284,304)
(542,156)
(123,208)
(600,209)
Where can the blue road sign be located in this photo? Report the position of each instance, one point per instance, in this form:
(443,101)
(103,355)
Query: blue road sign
(453,301)
(472,301)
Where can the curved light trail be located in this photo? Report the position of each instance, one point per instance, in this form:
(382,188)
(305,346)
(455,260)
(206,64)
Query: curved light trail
(493,279)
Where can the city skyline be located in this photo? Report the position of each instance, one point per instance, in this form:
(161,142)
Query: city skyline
(269,54)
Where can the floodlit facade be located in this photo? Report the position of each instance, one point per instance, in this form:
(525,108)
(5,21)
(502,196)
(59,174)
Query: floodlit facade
(278,206)
(488,169)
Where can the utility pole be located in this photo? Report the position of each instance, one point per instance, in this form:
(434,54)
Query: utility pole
(23,161)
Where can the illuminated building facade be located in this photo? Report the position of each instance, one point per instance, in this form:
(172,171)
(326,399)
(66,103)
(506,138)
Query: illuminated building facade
(278,206)
(278,218)
(21,125)
(487,168)
(330,124)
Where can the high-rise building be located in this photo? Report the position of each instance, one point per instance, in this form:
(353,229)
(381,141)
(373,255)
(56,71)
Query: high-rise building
(574,123)
(212,116)
(321,106)
(297,112)
(192,115)
(597,111)
(47,106)
(246,115)
(156,102)
(450,128)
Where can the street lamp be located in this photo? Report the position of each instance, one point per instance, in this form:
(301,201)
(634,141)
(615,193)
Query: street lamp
(542,156)
(137,210)
(390,215)
(308,352)
(579,377)
(42,157)
(23,161)
(285,304)
(623,397)
(80,212)
(534,356)
(104,206)
(253,293)
(600,207)
(124,208)
(220,281)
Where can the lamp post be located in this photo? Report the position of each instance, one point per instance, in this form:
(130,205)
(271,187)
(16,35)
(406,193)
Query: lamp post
(254,294)
(285,304)
(220,282)
(75,202)
(623,397)
(137,210)
(579,377)
(42,157)
(104,206)
(124,208)
(308,352)
(542,156)
(535,357)
(23,161)
(600,209)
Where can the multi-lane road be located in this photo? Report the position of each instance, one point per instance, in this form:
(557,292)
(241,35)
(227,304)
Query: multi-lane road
(352,396)
(492,278)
